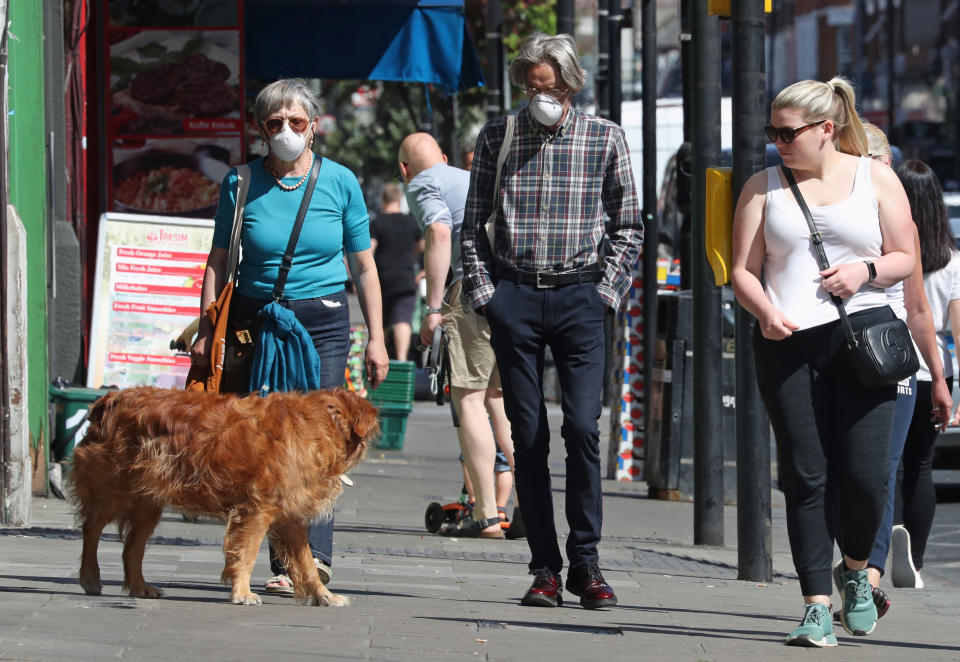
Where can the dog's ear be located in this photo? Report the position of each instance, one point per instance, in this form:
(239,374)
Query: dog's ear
(363,421)
(366,424)
(356,418)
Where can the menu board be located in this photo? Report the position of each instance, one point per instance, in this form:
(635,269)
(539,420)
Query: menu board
(175,104)
(149,275)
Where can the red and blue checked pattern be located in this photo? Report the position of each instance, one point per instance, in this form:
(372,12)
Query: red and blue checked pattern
(560,193)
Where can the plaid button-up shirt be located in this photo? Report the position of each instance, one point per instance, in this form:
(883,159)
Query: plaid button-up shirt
(560,192)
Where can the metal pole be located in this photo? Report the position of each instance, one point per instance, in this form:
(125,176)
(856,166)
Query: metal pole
(449,143)
(686,66)
(651,232)
(495,103)
(614,22)
(754,523)
(684,202)
(707,427)
(891,114)
(614,96)
(565,14)
(858,60)
(603,59)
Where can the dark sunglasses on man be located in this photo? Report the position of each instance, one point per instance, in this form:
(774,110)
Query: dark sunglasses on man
(785,133)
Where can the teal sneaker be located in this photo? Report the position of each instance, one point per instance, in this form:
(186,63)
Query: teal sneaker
(816,628)
(858,613)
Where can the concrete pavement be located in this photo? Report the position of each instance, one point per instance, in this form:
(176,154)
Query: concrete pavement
(417,596)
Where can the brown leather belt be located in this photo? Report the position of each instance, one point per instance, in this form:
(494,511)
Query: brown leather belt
(549,279)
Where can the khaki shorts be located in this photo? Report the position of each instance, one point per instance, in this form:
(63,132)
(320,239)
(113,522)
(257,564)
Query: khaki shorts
(473,364)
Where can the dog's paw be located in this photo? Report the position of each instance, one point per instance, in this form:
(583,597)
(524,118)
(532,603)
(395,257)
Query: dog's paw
(334,600)
(245,599)
(145,592)
(91,587)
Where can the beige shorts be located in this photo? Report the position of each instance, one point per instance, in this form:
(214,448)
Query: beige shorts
(473,364)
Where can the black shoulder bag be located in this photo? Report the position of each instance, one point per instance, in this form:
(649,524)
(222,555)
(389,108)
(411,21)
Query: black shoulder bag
(241,336)
(881,354)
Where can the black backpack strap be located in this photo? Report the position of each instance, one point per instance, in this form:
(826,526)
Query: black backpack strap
(287,260)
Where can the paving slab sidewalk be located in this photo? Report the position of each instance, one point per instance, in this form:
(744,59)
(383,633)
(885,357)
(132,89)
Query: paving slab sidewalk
(418,596)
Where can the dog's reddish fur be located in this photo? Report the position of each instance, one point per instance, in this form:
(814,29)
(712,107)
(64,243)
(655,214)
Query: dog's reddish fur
(264,465)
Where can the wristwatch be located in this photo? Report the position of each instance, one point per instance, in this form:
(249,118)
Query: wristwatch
(872,270)
(430,310)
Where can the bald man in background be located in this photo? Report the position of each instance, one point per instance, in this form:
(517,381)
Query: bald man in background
(436,193)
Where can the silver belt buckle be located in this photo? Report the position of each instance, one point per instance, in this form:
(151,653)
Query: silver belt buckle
(541,285)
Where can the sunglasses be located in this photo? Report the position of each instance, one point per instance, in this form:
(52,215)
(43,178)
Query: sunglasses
(298,124)
(556,93)
(785,133)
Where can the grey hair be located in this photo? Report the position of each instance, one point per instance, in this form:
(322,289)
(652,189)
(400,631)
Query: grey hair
(282,94)
(540,48)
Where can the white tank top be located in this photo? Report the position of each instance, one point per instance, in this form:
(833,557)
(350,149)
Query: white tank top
(851,233)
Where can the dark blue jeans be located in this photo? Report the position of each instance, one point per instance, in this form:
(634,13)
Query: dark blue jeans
(524,321)
(902,415)
(327,320)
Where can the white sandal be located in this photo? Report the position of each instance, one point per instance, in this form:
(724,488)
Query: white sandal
(279,584)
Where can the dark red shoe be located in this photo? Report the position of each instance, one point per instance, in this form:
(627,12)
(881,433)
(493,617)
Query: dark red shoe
(545,591)
(586,581)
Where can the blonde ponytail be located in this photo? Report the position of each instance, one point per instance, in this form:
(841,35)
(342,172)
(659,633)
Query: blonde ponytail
(851,137)
(834,100)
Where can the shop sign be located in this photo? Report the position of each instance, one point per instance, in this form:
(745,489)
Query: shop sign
(174,102)
(148,278)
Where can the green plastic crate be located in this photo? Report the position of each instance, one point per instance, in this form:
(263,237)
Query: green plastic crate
(393,426)
(71,405)
(398,387)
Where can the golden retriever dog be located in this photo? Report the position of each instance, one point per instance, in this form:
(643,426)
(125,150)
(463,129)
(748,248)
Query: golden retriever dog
(263,465)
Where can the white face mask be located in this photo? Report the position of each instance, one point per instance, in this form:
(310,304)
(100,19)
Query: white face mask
(546,109)
(287,144)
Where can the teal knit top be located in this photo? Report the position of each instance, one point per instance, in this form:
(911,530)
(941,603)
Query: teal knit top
(336,221)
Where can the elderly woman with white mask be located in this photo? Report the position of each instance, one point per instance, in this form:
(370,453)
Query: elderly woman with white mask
(335,224)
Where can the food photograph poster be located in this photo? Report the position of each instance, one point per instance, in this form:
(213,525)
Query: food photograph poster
(148,279)
(174,92)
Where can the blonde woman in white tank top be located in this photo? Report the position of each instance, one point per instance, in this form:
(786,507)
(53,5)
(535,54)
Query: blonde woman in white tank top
(824,421)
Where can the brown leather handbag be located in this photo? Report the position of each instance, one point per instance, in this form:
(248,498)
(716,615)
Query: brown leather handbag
(227,359)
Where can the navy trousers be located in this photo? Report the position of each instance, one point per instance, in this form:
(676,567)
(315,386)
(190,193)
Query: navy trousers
(524,321)
(327,320)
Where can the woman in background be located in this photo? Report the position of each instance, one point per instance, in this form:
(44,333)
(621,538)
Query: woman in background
(909,302)
(916,495)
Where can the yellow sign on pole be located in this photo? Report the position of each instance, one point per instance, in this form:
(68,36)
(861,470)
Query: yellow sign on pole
(718,228)
(722,7)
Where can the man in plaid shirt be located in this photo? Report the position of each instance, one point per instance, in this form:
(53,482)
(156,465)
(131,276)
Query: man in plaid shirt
(565,184)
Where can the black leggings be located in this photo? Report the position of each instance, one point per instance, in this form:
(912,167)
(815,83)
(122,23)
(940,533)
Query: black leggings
(829,429)
(916,495)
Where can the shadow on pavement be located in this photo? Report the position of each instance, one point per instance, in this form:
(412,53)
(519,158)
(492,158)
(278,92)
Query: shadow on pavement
(678,630)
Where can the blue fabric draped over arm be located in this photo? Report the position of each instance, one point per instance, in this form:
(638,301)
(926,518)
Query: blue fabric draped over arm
(285,358)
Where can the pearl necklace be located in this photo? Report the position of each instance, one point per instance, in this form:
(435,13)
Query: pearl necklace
(285,187)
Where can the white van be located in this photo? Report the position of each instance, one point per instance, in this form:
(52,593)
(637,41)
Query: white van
(669,132)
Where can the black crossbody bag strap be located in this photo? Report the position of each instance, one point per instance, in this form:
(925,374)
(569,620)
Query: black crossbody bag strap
(817,240)
(287,260)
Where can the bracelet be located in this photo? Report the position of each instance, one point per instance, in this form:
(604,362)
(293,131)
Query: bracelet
(431,311)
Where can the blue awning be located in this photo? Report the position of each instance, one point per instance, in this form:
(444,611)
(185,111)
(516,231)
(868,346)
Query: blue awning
(423,41)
